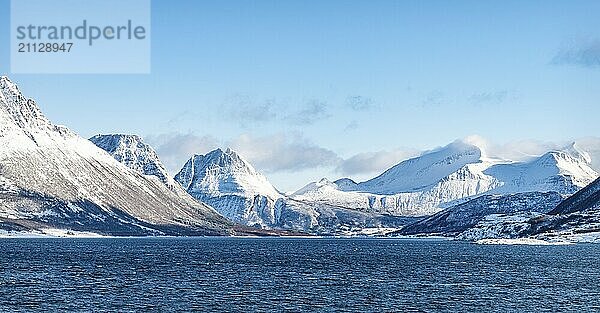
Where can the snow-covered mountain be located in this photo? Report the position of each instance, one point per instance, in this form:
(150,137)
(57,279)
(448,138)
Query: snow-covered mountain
(220,178)
(539,216)
(327,219)
(584,200)
(133,152)
(422,172)
(232,186)
(456,173)
(565,171)
(459,218)
(576,219)
(52,178)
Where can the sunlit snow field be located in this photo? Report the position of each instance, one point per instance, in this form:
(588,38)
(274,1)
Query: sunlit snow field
(271,275)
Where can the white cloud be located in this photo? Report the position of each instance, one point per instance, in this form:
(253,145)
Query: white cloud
(360,103)
(175,149)
(283,152)
(248,110)
(435,98)
(490,97)
(521,150)
(592,146)
(353,125)
(309,113)
(274,153)
(374,162)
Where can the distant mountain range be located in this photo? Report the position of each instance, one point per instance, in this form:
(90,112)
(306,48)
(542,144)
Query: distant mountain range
(231,185)
(456,176)
(458,172)
(116,184)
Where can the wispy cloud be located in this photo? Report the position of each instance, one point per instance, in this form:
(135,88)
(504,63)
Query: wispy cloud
(580,52)
(175,148)
(592,146)
(374,162)
(181,118)
(311,112)
(281,152)
(247,110)
(273,153)
(434,99)
(353,125)
(488,98)
(437,98)
(521,150)
(360,103)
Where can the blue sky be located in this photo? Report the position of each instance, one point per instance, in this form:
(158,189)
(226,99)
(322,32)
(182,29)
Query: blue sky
(302,88)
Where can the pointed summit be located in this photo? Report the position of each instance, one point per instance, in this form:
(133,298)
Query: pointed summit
(228,158)
(318,186)
(8,86)
(223,172)
(346,184)
(18,111)
(134,153)
(231,185)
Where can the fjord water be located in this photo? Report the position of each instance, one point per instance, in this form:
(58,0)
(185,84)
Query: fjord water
(313,275)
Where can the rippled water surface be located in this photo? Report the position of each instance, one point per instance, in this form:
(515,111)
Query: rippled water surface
(313,275)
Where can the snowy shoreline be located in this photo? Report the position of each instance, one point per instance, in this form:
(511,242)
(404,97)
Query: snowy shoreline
(522,241)
(68,234)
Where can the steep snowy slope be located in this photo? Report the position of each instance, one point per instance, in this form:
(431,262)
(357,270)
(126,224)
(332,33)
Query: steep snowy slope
(133,152)
(576,219)
(224,172)
(231,185)
(454,174)
(564,171)
(422,172)
(587,198)
(52,178)
(454,220)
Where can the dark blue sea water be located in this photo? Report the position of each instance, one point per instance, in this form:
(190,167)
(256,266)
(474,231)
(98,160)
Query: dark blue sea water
(294,275)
